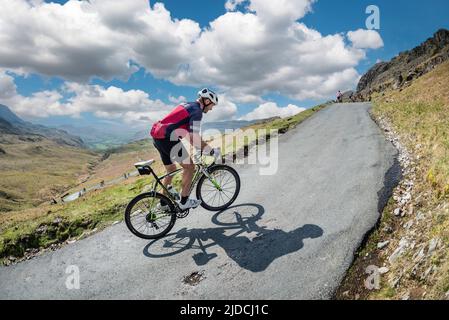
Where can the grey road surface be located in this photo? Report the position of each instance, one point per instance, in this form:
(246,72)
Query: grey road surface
(291,235)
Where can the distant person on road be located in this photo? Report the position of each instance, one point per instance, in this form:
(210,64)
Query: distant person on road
(339,96)
(183,122)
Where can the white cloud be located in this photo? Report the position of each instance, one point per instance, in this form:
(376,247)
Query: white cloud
(111,100)
(280,13)
(73,99)
(39,104)
(115,103)
(177,100)
(8,88)
(107,103)
(246,55)
(294,61)
(271,109)
(225,110)
(365,39)
(98,38)
(231,5)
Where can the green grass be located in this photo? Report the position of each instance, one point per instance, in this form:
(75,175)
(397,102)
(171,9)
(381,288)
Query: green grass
(132,147)
(386,292)
(93,211)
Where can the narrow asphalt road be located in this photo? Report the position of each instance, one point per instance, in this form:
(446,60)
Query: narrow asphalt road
(291,235)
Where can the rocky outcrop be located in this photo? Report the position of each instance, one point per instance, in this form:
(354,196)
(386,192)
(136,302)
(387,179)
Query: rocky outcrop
(405,67)
(348,96)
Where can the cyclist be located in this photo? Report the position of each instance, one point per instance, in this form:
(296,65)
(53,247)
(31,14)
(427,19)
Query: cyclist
(183,122)
(339,96)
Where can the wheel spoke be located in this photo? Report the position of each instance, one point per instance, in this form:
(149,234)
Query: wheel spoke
(229,188)
(222,178)
(227,182)
(224,193)
(145,209)
(214,197)
(213,200)
(211,196)
(221,198)
(209,188)
(142,224)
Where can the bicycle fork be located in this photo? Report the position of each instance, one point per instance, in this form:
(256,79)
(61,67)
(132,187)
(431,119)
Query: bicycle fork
(211,179)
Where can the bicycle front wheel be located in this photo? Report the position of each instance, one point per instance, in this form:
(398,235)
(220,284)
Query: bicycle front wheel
(220,190)
(145,218)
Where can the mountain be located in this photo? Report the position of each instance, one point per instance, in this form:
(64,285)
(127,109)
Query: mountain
(405,67)
(12,124)
(8,115)
(7,128)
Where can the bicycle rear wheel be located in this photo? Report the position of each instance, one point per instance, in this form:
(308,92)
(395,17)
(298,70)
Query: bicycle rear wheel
(145,219)
(219,192)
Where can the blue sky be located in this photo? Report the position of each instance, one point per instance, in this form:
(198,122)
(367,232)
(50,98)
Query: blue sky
(404,24)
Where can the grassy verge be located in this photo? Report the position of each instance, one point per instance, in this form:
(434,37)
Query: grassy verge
(27,231)
(46,225)
(244,139)
(419,116)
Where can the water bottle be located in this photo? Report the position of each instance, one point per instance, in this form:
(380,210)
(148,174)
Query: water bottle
(173,192)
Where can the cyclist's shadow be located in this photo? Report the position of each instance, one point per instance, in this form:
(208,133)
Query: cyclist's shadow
(254,253)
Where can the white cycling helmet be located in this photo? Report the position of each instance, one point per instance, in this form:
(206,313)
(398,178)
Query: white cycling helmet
(208,94)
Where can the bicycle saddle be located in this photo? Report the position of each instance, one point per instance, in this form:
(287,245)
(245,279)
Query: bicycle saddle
(144,163)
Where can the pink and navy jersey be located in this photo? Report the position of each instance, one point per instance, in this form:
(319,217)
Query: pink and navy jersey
(186,116)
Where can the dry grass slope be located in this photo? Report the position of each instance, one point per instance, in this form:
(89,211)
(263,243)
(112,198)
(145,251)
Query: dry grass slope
(35,169)
(419,115)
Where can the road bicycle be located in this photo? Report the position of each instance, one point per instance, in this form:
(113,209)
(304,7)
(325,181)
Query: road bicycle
(217,186)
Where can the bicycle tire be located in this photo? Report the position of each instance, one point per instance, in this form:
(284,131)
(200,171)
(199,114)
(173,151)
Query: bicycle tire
(129,211)
(213,170)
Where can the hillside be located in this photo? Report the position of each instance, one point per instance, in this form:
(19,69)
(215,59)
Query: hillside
(118,161)
(9,116)
(405,67)
(35,169)
(12,124)
(37,163)
(412,240)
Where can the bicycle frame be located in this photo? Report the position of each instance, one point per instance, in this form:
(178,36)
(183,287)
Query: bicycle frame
(200,170)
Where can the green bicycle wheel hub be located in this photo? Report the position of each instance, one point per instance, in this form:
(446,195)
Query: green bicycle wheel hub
(151,217)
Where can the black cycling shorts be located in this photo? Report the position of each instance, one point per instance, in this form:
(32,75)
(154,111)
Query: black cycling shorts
(165,148)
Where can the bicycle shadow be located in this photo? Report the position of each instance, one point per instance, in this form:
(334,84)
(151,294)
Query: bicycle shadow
(253,253)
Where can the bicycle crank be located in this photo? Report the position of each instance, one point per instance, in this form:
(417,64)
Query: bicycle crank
(183,214)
